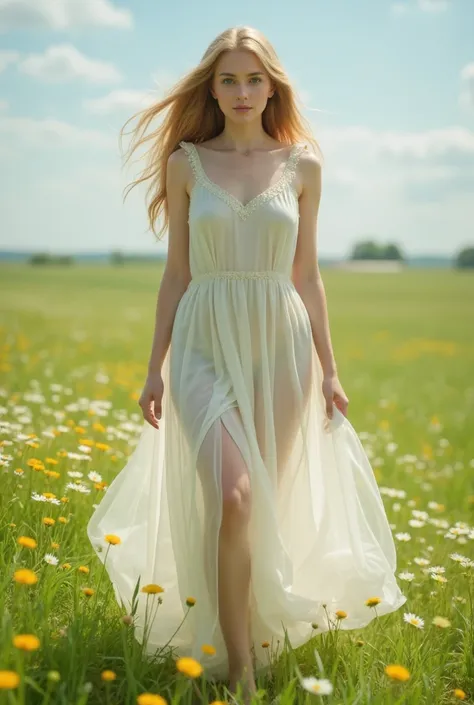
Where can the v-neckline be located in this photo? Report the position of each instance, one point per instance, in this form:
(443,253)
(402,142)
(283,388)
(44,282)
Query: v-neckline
(243,209)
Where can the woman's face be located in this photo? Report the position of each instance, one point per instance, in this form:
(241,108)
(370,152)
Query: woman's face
(240,79)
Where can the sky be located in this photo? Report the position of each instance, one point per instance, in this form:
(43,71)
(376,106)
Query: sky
(388,86)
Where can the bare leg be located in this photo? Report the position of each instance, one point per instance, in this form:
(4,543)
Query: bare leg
(234,565)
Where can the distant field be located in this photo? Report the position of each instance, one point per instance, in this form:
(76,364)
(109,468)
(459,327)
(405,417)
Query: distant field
(404,345)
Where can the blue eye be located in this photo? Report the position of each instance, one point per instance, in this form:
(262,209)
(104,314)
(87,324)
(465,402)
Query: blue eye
(256,78)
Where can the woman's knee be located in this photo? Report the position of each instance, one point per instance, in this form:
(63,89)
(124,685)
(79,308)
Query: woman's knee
(236,506)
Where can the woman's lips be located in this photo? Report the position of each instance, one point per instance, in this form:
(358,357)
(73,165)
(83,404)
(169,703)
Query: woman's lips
(243,110)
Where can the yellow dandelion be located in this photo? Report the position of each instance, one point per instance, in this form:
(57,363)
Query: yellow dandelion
(459,694)
(66,566)
(113,539)
(53,474)
(51,461)
(441,622)
(62,520)
(25,576)
(64,500)
(108,676)
(359,642)
(150,699)
(88,592)
(340,614)
(152,589)
(190,601)
(54,544)
(373,601)
(83,569)
(49,495)
(208,649)
(26,642)
(49,521)
(102,446)
(9,680)
(189,666)
(397,673)
(27,542)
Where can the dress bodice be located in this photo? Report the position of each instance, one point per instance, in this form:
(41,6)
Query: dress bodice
(227,235)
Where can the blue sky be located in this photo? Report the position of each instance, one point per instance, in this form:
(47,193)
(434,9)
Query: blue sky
(388,86)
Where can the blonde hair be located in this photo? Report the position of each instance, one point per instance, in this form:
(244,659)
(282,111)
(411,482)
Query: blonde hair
(194,115)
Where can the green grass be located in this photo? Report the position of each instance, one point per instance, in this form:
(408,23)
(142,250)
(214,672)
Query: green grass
(404,346)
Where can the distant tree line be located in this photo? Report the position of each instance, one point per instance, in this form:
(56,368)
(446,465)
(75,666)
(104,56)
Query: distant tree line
(47,258)
(364,250)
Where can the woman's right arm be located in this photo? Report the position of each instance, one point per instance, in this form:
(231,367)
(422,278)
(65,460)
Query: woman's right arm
(174,282)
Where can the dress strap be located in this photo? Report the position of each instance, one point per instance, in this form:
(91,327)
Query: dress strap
(194,160)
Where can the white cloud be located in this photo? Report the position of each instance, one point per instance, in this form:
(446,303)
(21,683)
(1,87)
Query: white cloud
(50,133)
(62,14)
(64,63)
(118,101)
(466,98)
(430,6)
(8,57)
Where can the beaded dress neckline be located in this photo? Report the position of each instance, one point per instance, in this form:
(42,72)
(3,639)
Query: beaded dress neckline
(243,209)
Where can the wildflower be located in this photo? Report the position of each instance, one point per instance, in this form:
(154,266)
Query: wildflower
(9,680)
(459,694)
(27,542)
(340,614)
(265,644)
(403,536)
(189,666)
(208,649)
(88,592)
(83,569)
(25,576)
(49,521)
(152,589)
(108,676)
(94,476)
(373,601)
(62,520)
(54,545)
(113,539)
(406,576)
(26,642)
(397,673)
(359,642)
(413,619)
(66,566)
(51,559)
(441,622)
(437,569)
(150,699)
(190,601)
(319,686)
(439,578)
(421,561)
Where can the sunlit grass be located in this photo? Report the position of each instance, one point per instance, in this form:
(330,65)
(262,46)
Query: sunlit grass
(74,349)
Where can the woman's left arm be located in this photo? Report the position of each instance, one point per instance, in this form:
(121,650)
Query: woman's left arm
(308,282)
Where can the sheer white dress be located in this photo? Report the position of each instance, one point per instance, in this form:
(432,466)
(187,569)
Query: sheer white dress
(242,363)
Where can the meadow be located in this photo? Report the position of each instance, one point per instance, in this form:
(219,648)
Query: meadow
(74,350)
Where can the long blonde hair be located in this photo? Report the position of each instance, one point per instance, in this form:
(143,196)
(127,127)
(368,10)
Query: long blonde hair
(194,115)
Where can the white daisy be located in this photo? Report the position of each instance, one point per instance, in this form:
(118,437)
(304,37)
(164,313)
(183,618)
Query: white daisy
(411,618)
(437,569)
(406,576)
(77,487)
(421,561)
(439,578)
(315,685)
(403,536)
(94,476)
(51,559)
(75,473)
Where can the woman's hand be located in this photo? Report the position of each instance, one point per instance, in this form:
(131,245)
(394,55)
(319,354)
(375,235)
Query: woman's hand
(334,393)
(151,398)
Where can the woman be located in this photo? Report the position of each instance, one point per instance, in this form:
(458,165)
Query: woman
(249,489)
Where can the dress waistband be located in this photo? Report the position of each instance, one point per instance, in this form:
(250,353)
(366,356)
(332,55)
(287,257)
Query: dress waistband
(241,274)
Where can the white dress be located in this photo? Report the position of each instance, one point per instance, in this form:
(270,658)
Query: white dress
(242,362)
